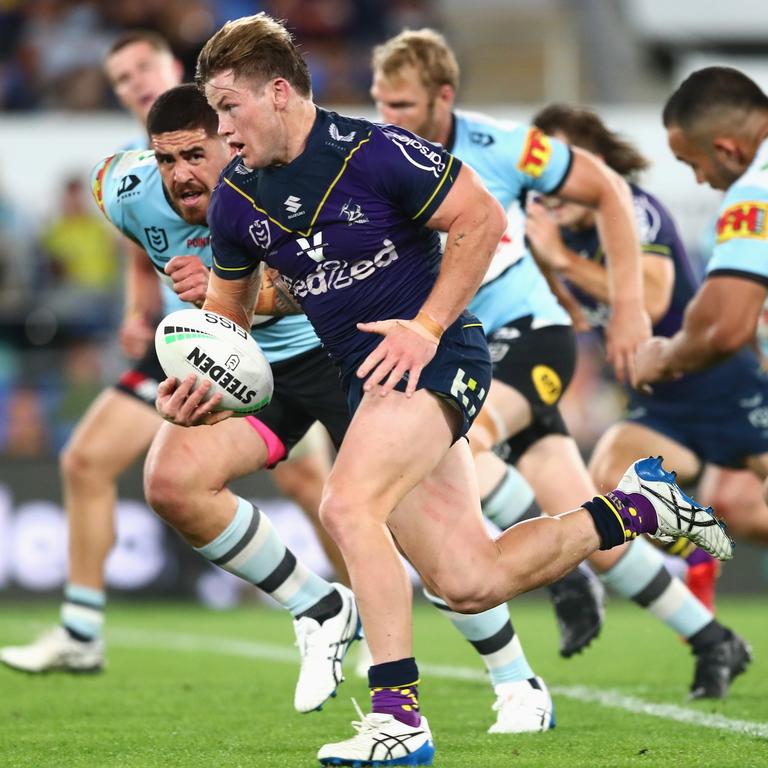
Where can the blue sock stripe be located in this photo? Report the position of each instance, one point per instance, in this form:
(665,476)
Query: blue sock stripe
(480,626)
(509,501)
(85,596)
(233,535)
(636,569)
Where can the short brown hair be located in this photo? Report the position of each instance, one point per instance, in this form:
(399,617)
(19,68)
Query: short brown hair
(423,49)
(584,128)
(153,39)
(254,47)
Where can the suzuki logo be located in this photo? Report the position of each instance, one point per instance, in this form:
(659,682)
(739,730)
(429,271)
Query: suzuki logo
(314,249)
(293,204)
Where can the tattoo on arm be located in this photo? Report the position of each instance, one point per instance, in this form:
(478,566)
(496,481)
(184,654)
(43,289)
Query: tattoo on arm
(274,297)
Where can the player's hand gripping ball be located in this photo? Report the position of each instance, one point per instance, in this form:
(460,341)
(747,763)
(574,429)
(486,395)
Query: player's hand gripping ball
(217,349)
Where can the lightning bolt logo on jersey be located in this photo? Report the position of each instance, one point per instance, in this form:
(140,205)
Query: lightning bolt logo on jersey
(129,191)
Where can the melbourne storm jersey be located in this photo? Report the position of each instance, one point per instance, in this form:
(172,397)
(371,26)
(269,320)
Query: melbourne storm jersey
(129,190)
(741,246)
(343,223)
(512,160)
(659,237)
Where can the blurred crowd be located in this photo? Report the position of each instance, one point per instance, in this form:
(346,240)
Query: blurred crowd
(51,51)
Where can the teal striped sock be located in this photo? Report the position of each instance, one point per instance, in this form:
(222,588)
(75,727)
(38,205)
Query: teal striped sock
(82,612)
(252,549)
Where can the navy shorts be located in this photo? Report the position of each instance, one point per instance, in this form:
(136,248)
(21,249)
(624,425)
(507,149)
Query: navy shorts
(722,430)
(460,371)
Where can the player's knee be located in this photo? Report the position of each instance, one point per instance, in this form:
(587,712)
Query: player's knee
(77,461)
(167,491)
(464,595)
(345,517)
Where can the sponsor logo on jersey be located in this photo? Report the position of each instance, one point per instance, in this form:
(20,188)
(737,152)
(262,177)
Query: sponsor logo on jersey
(335,275)
(419,151)
(548,384)
(127,184)
(536,153)
(98,184)
(743,220)
(199,242)
(243,169)
(157,238)
(260,234)
(204,363)
(336,136)
(312,248)
(482,139)
(293,205)
(353,213)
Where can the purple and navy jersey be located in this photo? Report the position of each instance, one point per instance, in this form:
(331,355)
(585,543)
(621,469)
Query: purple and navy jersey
(344,223)
(658,237)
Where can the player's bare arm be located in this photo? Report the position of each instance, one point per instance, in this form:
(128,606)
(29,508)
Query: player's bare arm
(274,297)
(719,320)
(475,222)
(592,183)
(593,278)
(142,302)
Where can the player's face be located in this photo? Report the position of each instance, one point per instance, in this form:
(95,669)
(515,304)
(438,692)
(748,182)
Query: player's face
(709,167)
(190,162)
(139,74)
(249,120)
(405,101)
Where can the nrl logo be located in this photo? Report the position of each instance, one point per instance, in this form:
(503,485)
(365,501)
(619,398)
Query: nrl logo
(259,232)
(354,213)
(336,136)
(157,239)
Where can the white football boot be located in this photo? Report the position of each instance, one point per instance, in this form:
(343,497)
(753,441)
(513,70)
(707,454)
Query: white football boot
(523,707)
(322,648)
(381,740)
(55,650)
(676,513)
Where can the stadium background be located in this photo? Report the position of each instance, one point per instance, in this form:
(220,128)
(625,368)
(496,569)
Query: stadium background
(60,265)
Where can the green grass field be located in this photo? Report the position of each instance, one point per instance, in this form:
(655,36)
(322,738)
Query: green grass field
(190,687)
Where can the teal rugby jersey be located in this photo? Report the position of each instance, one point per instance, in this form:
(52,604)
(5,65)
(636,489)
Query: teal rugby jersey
(129,191)
(512,159)
(741,244)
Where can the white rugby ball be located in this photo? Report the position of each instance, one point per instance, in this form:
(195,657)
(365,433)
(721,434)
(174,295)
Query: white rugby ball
(217,349)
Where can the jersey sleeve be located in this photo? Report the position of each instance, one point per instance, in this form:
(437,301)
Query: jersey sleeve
(537,161)
(413,173)
(100,185)
(741,238)
(233,256)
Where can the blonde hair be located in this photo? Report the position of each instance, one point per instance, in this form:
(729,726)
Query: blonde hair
(423,49)
(256,48)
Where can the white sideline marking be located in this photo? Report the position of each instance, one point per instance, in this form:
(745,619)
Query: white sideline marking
(132,638)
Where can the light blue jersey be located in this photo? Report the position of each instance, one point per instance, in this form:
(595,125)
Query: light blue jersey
(512,160)
(129,191)
(741,245)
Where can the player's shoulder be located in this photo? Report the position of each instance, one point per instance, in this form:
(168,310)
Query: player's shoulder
(487,132)
(124,178)
(651,216)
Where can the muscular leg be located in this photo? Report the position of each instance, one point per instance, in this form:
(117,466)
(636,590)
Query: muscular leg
(739,497)
(301,478)
(112,434)
(185,481)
